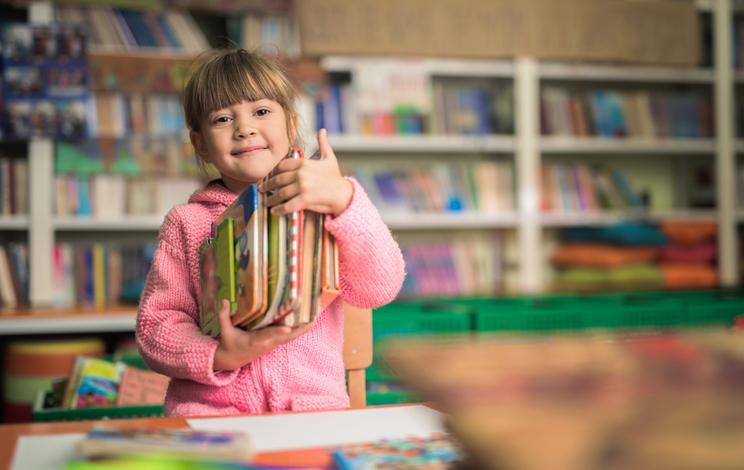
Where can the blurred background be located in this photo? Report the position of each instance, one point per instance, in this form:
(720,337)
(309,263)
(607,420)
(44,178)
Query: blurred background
(528,156)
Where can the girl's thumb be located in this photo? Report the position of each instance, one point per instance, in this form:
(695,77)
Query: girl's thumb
(225,323)
(326,151)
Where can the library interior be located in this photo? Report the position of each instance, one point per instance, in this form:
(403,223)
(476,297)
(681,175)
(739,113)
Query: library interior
(559,178)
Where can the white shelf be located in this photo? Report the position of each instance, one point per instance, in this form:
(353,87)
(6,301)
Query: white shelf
(102,322)
(571,219)
(443,67)
(626,145)
(13,222)
(580,72)
(139,223)
(423,144)
(449,221)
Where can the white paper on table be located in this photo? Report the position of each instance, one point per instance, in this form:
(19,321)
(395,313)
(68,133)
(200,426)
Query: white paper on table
(50,452)
(328,428)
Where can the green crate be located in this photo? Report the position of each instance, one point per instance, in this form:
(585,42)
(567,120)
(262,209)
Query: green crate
(85,414)
(42,414)
(720,311)
(441,318)
(392,397)
(551,313)
(578,312)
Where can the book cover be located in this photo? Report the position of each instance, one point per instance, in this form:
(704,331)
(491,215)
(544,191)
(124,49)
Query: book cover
(93,383)
(434,452)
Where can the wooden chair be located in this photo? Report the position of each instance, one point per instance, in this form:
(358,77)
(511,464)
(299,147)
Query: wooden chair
(357,352)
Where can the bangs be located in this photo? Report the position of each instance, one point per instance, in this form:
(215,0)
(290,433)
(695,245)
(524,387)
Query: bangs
(228,79)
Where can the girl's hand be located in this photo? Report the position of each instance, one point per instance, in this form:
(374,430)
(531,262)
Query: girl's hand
(316,185)
(239,347)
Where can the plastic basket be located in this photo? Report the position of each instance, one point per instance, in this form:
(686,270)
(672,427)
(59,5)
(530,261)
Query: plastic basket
(398,319)
(85,414)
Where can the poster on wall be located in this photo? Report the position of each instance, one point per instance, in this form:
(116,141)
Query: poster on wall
(44,81)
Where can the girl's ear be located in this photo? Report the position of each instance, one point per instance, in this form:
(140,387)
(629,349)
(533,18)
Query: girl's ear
(197,140)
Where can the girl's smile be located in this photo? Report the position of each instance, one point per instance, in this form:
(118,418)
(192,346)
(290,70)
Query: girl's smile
(248,150)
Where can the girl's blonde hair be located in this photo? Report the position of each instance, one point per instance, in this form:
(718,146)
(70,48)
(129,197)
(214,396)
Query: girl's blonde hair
(229,76)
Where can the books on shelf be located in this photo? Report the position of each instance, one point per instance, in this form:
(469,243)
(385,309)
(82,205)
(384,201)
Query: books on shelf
(14,275)
(578,187)
(128,29)
(14,196)
(98,274)
(388,97)
(117,115)
(484,186)
(469,264)
(109,179)
(627,113)
(273,34)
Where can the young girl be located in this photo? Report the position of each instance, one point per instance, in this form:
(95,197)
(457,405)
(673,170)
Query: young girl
(239,110)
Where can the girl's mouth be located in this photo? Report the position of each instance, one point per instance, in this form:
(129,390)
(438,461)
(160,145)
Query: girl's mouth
(247,150)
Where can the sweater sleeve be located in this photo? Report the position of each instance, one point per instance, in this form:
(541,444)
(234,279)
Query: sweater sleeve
(370,262)
(167,333)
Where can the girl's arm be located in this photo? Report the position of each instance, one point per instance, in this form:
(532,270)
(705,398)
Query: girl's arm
(370,262)
(168,334)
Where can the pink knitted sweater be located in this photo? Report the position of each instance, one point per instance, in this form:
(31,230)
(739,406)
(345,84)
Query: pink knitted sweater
(305,373)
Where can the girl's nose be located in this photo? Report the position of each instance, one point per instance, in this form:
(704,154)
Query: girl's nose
(244,129)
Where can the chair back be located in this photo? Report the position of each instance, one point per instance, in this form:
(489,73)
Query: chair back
(357,352)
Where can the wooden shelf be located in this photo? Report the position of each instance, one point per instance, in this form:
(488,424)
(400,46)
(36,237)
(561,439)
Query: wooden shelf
(81,320)
(133,223)
(436,221)
(439,67)
(549,144)
(571,219)
(423,143)
(13,222)
(580,72)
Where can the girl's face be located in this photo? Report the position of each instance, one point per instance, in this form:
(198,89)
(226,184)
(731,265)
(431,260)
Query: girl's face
(244,141)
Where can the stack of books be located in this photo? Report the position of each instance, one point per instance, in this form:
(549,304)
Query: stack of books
(274,270)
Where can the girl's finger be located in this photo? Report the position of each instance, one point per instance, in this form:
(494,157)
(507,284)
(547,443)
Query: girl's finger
(326,151)
(284,194)
(277,181)
(292,205)
(224,316)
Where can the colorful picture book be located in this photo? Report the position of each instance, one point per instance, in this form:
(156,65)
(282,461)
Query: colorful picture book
(274,270)
(93,383)
(105,441)
(435,452)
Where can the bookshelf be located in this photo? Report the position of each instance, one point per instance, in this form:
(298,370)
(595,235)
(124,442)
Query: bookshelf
(527,149)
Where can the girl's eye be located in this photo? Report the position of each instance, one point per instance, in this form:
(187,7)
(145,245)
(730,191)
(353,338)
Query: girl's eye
(221,119)
(263,112)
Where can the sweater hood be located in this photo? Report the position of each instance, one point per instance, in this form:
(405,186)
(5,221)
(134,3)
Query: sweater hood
(213,194)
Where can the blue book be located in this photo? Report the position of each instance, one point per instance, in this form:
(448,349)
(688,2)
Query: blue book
(137,25)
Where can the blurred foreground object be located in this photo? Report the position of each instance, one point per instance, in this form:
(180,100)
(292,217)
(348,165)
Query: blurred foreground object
(642,400)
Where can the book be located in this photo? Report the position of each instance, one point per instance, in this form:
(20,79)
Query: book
(274,270)
(434,452)
(106,441)
(141,387)
(93,383)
